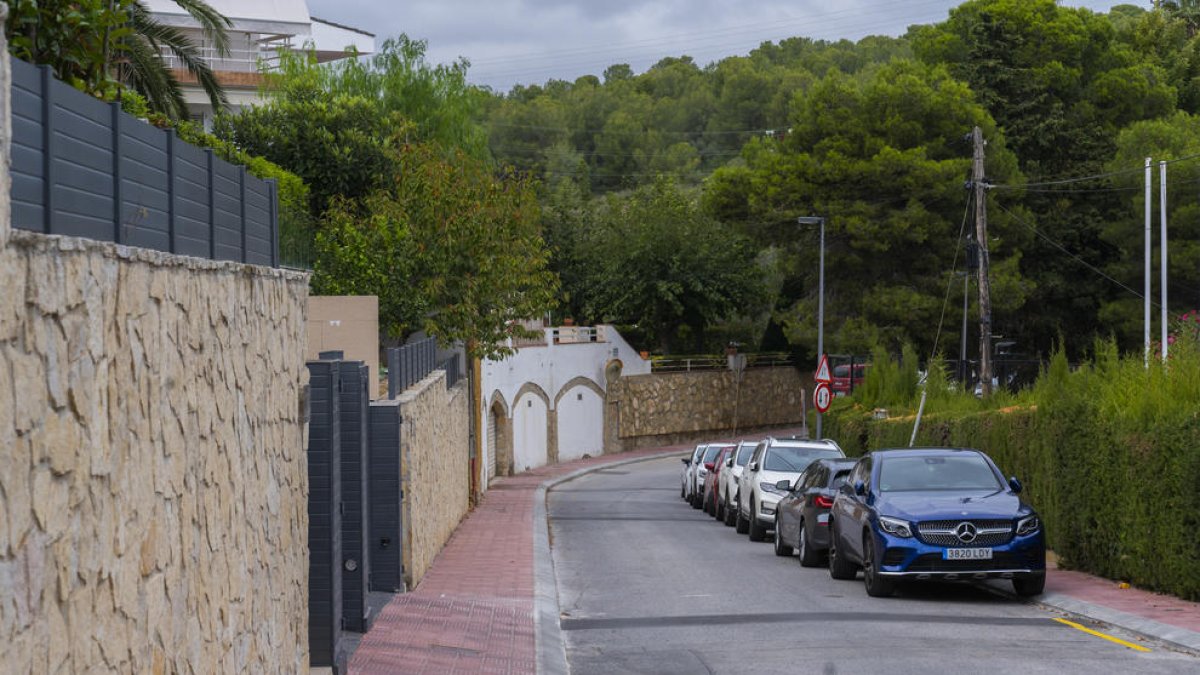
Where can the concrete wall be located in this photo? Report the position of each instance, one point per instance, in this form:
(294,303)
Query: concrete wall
(677,407)
(347,323)
(434,468)
(152,472)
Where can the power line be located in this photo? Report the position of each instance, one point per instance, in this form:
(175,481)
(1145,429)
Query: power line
(950,278)
(1084,179)
(1064,249)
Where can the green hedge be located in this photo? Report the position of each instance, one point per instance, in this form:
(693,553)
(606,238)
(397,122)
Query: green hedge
(1109,456)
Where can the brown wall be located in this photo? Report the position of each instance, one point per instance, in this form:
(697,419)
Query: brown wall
(349,323)
(665,408)
(434,468)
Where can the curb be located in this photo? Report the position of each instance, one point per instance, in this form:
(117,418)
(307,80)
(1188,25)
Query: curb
(1149,629)
(547,631)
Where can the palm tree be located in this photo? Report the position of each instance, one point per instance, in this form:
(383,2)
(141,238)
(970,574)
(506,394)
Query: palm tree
(134,57)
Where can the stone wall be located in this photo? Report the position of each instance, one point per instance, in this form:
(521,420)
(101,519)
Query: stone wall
(152,471)
(434,468)
(666,408)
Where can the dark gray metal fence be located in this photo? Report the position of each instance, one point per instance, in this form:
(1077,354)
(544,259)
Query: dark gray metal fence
(84,168)
(355,561)
(324,515)
(453,370)
(410,364)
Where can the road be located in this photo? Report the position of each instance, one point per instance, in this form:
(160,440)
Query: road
(649,585)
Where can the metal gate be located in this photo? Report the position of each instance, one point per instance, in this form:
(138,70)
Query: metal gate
(384,514)
(355,493)
(493,445)
(324,514)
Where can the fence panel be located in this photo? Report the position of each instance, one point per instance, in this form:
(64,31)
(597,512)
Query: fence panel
(324,513)
(84,168)
(410,364)
(28,148)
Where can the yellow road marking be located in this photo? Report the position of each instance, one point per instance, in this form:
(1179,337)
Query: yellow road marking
(1098,634)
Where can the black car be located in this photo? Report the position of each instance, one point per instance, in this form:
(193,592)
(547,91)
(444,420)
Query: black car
(802,518)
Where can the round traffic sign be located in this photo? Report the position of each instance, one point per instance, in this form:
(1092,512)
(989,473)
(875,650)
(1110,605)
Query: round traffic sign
(822,397)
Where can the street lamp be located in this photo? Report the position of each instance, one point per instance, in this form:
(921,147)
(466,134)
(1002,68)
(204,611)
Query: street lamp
(819,220)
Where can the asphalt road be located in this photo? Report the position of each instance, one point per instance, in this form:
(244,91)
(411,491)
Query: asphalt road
(649,585)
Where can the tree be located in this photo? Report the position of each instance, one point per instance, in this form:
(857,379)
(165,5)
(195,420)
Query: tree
(653,259)
(447,246)
(104,46)
(880,156)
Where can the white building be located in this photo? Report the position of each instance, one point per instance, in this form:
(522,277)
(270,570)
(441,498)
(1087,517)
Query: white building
(546,402)
(260,29)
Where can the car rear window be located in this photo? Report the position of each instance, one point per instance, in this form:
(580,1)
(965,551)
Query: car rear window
(711,453)
(839,479)
(743,455)
(790,458)
(957,472)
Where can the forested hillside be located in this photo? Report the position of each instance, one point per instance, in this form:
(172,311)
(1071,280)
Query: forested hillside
(669,197)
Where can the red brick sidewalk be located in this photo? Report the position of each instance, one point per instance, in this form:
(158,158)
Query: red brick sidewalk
(473,611)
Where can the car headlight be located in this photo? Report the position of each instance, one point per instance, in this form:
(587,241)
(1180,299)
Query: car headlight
(895,526)
(1028,525)
(770,487)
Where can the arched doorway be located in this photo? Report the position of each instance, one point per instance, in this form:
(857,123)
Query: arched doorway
(530,442)
(580,409)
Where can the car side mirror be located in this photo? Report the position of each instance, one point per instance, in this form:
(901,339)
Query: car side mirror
(686,461)
(729,462)
(860,488)
(754,466)
(784,485)
(709,465)
(1015,485)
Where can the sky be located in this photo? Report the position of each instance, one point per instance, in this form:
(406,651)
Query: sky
(531,41)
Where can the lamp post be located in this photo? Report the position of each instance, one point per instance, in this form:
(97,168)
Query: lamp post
(819,220)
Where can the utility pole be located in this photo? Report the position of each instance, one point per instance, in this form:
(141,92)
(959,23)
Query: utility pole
(1162,256)
(1148,270)
(985,290)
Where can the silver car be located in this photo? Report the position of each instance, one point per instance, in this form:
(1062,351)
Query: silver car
(727,490)
(687,481)
(770,474)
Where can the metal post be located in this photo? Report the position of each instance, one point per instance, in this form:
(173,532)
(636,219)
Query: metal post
(171,190)
(1162,257)
(962,352)
(115,109)
(819,220)
(1146,273)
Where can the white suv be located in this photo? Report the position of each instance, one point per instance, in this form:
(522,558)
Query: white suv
(773,461)
(689,467)
(727,490)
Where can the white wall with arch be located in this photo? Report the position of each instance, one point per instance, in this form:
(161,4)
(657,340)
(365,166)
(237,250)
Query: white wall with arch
(530,437)
(580,422)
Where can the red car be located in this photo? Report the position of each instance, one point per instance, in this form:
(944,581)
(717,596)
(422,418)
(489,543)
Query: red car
(841,384)
(712,480)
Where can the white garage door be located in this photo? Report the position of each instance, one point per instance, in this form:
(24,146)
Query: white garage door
(580,424)
(529,433)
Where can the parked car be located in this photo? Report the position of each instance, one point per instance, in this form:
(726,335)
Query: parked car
(934,513)
(727,494)
(841,384)
(802,517)
(689,464)
(774,460)
(709,494)
(700,472)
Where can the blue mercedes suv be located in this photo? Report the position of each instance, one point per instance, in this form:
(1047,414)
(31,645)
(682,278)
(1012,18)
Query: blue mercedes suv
(934,513)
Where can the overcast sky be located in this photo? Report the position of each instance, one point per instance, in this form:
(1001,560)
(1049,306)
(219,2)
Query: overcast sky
(531,41)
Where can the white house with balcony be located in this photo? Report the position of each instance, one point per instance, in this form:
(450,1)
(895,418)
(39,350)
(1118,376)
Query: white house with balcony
(260,29)
(546,402)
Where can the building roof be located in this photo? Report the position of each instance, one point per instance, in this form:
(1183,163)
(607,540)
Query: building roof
(289,17)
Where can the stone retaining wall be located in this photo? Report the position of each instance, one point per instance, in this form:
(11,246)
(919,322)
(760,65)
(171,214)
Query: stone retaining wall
(152,470)
(434,468)
(666,408)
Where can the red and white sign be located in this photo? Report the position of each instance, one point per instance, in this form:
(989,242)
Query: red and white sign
(822,397)
(822,374)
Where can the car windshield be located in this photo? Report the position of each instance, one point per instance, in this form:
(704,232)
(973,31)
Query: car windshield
(839,479)
(743,455)
(790,458)
(957,472)
(711,453)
